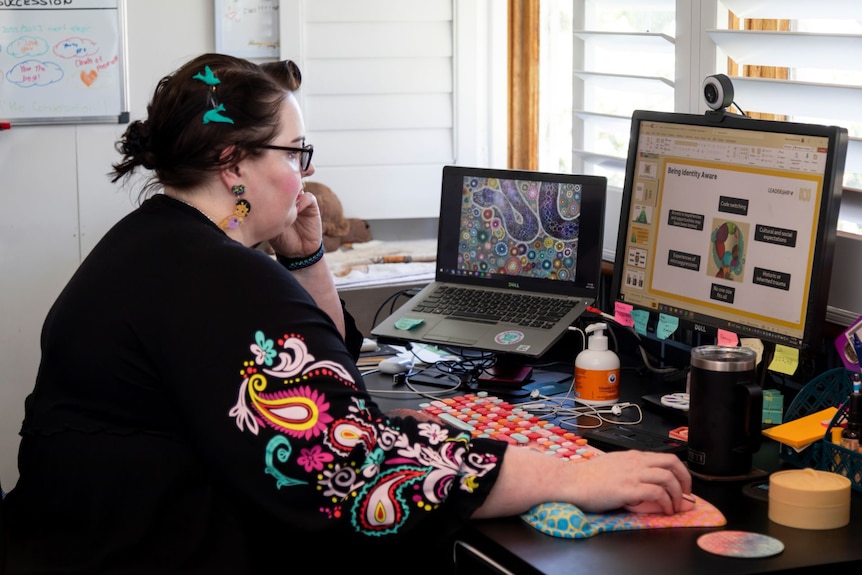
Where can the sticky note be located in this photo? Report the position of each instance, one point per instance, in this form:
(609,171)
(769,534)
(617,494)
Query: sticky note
(640,318)
(406,323)
(667,324)
(755,344)
(800,432)
(785,361)
(623,314)
(727,338)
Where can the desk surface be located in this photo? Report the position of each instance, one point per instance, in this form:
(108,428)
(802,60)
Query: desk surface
(522,549)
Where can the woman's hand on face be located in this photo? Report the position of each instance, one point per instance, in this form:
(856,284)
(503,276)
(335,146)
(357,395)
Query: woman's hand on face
(303,236)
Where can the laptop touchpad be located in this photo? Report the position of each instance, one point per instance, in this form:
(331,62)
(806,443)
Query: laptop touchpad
(455,331)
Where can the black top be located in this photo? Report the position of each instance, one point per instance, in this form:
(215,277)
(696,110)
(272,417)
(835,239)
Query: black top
(195,411)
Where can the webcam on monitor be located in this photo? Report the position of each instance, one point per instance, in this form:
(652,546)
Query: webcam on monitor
(718,91)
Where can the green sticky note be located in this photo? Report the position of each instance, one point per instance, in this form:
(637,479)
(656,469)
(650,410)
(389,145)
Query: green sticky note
(641,318)
(667,324)
(407,324)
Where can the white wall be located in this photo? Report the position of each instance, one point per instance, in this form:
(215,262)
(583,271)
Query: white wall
(58,200)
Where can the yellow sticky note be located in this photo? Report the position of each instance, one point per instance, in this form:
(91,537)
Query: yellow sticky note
(803,431)
(755,344)
(785,360)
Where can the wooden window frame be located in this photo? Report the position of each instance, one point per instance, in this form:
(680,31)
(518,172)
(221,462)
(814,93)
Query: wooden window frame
(523,116)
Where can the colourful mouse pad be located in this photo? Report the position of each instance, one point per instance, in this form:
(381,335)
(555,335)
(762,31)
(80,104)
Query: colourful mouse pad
(567,521)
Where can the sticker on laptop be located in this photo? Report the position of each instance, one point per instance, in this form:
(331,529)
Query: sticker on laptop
(509,337)
(407,323)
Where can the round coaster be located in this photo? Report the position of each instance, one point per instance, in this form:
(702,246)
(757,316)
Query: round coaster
(757,490)
(676,400)
(740,544)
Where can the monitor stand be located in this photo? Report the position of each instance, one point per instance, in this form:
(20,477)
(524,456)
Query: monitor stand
(506,370)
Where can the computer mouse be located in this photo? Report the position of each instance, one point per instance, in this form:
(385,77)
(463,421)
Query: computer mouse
(688,503)
(393,365)
(368,345)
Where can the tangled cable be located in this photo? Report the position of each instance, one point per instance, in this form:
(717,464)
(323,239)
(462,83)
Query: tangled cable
(566,410)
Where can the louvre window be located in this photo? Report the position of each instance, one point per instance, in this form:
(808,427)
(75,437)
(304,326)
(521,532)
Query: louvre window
(793,60)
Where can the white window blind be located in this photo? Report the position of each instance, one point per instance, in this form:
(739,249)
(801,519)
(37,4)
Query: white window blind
(823,53)
(377,96)
(624,58)
(654,54)
(392,91)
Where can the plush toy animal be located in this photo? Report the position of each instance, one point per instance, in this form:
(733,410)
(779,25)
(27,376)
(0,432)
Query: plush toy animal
(337,229)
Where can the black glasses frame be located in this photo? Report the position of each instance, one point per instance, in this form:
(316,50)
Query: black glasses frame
(305,153)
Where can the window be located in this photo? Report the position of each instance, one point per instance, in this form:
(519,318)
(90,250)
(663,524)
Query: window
(555,86)
(654,54)
(821,51)
(624,57)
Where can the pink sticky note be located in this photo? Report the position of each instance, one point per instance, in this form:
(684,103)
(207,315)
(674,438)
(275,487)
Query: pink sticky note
(727,338)
(623,314)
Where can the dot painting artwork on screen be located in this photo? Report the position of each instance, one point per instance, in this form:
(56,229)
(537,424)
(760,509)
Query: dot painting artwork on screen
(513,227)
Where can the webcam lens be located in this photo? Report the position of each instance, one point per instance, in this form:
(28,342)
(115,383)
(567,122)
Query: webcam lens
(710,93)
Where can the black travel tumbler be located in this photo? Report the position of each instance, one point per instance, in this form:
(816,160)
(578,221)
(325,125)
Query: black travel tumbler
(725,411)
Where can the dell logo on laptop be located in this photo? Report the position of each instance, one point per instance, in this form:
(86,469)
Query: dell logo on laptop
(514,285)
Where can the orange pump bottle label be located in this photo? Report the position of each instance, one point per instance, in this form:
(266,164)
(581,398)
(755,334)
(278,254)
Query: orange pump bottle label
(597,384)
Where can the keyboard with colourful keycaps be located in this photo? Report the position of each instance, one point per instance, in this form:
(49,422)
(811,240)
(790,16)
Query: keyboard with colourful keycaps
(485,415)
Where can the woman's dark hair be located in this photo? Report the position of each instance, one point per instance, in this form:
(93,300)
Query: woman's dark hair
(285,72)
(175,142)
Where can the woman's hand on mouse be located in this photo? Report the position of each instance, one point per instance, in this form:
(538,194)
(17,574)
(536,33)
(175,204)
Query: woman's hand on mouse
(688,503)
(638,481)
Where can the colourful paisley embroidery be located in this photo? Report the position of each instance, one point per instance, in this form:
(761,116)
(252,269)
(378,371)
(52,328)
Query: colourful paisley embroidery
(313,459)
(278,449)
(364,469)
(381,506)
(298,412)
(262,349)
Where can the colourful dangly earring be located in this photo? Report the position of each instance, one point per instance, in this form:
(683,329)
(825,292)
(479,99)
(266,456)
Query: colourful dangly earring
(240,210)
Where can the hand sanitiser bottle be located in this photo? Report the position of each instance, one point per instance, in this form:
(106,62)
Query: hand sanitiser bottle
(597,370)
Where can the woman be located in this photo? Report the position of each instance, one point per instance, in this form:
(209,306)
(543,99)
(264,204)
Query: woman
(196,407)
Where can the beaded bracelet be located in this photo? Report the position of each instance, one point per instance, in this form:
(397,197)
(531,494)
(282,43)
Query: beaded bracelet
(294,264)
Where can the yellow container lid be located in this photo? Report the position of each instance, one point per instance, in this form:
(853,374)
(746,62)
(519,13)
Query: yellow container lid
(809,499)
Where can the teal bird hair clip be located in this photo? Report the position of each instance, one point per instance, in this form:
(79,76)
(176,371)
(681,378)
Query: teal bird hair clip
(216,114)
(207,77)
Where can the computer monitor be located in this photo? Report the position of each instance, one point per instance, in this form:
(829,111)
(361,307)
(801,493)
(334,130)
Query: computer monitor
(728,223)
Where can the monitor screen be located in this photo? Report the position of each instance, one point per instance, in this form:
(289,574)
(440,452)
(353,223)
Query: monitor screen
(728,223)
(536,231)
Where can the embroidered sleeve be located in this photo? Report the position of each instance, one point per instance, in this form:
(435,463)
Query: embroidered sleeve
(322,438)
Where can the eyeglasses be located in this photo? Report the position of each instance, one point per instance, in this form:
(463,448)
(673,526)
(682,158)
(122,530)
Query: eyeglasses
(304,152)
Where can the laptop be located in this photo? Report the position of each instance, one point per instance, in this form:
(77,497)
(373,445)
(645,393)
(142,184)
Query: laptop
(533,237)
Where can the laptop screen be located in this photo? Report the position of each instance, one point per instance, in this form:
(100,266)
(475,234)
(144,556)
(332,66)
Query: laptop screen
(533,231)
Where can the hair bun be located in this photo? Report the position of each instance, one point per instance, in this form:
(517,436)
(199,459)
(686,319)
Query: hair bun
(136,143)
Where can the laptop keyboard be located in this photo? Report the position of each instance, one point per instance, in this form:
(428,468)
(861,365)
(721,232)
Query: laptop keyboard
(481,305)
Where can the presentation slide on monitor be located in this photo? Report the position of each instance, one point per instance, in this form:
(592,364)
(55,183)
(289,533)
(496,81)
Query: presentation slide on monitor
(736,237)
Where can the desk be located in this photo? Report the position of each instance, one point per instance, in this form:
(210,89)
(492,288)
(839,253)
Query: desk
(521,549)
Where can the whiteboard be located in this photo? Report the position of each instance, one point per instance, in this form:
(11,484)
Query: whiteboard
(247,28)
(63,61)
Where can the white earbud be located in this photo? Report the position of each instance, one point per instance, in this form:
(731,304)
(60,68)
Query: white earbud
(617,410)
